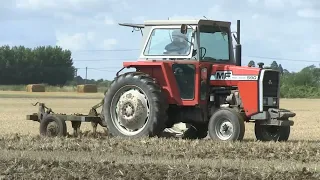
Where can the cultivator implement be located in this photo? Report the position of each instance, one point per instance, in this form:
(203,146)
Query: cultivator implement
(54,124)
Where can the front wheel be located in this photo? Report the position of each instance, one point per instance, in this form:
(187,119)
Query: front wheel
(226,125)
(271,133)
(134,106)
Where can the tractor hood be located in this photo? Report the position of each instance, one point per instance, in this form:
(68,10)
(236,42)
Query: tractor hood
(246,79)
(234,73)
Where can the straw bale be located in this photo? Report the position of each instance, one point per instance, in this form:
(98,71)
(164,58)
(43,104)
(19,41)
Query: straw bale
(87,88)
(36,88)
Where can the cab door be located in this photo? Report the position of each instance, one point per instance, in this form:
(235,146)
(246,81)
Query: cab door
(185,76)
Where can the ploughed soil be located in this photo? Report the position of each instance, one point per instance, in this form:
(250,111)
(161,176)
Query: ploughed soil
(86,157)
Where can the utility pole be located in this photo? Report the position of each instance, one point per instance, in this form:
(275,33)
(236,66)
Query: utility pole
(76,72)
(85,81)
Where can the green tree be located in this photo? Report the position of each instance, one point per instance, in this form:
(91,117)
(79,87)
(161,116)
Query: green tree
(20,65)
(280,69)
(274,65)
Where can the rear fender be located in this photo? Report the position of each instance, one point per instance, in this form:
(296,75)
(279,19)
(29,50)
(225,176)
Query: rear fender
(162,72)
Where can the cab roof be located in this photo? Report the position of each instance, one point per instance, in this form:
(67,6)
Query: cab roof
(176,22)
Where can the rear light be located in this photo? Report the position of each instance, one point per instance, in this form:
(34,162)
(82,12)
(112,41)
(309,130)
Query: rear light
(275,101)
(204,74)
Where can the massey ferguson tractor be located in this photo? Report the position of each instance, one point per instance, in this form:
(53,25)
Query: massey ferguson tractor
(188,72)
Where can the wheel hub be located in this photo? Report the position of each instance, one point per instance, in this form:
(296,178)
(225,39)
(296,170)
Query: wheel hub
(225,130)
(271,131)
(132,110)
(128,110)
(52,129)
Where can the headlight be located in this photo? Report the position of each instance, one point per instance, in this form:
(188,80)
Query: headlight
(265,101)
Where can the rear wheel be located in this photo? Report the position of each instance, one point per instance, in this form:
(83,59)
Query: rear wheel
(271,133)
(134,106)
(226,125)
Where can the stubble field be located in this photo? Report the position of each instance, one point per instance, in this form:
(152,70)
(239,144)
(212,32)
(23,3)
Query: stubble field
(23,154)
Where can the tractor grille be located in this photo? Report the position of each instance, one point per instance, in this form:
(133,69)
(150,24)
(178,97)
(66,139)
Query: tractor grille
(270,84)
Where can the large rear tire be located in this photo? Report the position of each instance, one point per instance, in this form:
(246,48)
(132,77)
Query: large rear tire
(134,106)
(271,133)
(226,125)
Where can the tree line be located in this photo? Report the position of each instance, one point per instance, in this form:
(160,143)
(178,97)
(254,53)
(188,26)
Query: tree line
(302,84)
(43,64)
(79,80)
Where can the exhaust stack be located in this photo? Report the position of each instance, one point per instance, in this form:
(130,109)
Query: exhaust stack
(238,45)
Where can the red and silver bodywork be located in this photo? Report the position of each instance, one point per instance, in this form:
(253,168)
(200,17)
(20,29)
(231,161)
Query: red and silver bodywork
(255,91)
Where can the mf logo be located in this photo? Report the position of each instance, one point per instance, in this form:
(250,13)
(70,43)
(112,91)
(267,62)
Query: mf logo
(223,74)
(229,76)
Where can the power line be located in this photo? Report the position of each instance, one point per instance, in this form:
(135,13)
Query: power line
(282,59)
(117,50)
(259,57)
(105,70)
(105,50)
(114,68)
(104,59)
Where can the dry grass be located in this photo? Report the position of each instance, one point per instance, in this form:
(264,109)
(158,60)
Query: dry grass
(29,156)
(114,158)
(14,110)
(104,168)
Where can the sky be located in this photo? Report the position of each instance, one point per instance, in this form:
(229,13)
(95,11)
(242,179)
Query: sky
(270,29)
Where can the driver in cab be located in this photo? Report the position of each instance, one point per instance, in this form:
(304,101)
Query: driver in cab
(179,44)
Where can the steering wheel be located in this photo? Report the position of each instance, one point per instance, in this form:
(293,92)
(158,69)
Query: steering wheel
(209,58)
(205,51)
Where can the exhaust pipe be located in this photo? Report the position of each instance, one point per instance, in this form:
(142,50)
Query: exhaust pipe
(238,31)
(238,45)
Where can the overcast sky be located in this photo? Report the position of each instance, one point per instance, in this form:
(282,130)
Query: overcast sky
(286,29)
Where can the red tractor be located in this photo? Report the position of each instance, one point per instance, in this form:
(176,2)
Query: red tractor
(188,72)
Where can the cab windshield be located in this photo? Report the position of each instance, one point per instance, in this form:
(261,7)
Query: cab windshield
(214,43)
(168,41)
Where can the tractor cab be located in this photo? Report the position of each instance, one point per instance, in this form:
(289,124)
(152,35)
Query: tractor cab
(196,40)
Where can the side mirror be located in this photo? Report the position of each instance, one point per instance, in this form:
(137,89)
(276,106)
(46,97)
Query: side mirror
(184,29)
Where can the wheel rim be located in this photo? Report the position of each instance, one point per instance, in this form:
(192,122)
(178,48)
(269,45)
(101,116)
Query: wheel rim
(270,132)
(52,129)
(224,129)
(130,110)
